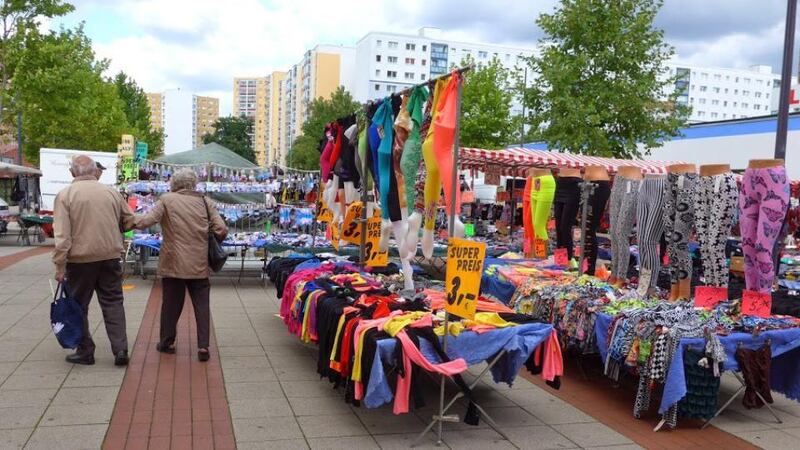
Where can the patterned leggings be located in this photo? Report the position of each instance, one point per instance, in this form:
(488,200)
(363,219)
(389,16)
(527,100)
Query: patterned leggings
(763,203)
(679,194)
(714,211)
(650,227)
(622,214)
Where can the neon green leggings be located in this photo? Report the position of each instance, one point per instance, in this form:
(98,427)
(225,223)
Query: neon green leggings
(542,193)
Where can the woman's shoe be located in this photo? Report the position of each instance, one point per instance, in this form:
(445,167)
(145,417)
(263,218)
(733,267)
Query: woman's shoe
(203,355)
(170,350)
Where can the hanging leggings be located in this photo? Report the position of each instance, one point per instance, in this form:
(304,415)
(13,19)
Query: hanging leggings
(402,129)
(621,218)
(527,217)
(714,210)
(387,183)
(445,125)
(433,182)
(679,194)
(542,193)
(412,150)
(763,204)
(650,228)
(596,207)
(565,210)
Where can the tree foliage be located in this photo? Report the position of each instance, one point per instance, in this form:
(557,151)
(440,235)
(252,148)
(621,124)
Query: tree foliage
(486,98)
(137,111)
(597,89)
(64,100)
(304,153)
(233,133)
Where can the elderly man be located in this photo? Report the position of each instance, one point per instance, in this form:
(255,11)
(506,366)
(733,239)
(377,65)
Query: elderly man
(89,218)
(98,173)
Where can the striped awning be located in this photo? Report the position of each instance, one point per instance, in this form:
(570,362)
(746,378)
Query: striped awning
(516,161)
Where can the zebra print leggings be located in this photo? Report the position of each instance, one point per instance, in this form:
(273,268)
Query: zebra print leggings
(622,214)
(650,214)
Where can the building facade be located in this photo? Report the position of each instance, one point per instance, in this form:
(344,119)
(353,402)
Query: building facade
(723,94)
(184,118)
(390,62)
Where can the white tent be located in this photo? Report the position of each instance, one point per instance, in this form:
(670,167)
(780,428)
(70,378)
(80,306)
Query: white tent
(8,169)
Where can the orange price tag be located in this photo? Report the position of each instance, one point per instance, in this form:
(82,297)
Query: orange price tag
(709,296)
(757,304)
(560,257)
(540,248)
(335,232)
(351,229)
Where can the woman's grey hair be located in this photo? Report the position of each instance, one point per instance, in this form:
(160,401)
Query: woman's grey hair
(183,179)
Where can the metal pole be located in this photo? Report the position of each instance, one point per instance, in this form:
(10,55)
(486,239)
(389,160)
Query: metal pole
(364,198)
(786,79)
(513,202)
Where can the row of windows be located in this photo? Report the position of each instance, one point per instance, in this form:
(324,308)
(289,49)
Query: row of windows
(745,92)
(746,80)
(715,102)
(395,45)
(393,74)
(393,60)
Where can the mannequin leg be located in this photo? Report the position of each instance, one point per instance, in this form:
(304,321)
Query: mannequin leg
(412,236)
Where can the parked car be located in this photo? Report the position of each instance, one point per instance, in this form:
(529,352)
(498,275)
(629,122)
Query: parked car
(4,213)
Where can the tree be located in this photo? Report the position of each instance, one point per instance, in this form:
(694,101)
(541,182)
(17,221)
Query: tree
(598,88)
(320,112)
(486,98)
(137,111)
(64,100)
(233,133)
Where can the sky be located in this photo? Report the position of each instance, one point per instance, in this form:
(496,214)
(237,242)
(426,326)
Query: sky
(200,45)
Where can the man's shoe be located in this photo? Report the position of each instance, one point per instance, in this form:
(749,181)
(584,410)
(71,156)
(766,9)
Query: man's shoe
(121,358)
(77,358)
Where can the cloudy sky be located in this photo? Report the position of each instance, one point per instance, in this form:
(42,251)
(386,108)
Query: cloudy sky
(200,45)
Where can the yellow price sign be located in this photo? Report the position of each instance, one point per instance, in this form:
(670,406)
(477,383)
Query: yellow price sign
(335,235)
(351,230)
(372,255)
(325,214)
(463,278)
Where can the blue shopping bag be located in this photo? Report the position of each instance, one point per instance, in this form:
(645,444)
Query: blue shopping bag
(66,318)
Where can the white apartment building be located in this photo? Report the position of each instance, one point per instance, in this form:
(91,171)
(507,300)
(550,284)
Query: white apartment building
(389,62)
(722,94)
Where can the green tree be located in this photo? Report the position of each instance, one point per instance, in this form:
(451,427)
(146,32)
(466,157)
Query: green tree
(137,111)
(233,133)
(64,100)
(597,88)
(304,154)
(17,17)
(486,98)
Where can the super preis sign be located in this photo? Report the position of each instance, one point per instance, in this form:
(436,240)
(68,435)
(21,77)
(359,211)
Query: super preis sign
(463,279)
(372,254)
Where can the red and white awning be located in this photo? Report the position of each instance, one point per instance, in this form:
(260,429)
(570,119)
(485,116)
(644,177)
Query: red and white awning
(516,161)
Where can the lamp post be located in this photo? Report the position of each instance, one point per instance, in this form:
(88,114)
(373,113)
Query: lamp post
(786,78)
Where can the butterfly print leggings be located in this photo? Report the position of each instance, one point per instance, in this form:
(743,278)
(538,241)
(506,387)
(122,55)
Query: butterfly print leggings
(679,193)
(715,205)
(622,215)
(763,203)
(650,226)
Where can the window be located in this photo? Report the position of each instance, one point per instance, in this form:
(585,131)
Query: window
(409,75)
(409,60)
(422,76)
(726,90)
(691,100)
(391,74)
(713,115)
(378,58)
(716,90)
(746,93)
(377,72)
(745,105)
(378,43)
(702,101)
(424,62)
(701,113)
(391,88)
(727,78)
(766,95)
(393,60)
(411,46)
(757,107)
(736,80)
(482,54)
(725,103)
(453,49)
(392,44)
(747,80)
(704,75)
(735,92)
(733,116)
(377,87)
(424,48)
(715,102)
(703,88)
(759,82)
(757,94)
(735,104)
(724,115)
(508,56)
(717,76)
(767,83)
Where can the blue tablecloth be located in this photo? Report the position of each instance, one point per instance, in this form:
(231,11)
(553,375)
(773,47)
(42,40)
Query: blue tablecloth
(519,342)
(155,244)
(784,373)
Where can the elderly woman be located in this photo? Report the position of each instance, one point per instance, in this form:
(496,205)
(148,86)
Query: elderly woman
(185,217)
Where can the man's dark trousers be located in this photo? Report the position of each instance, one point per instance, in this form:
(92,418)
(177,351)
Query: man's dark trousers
(104,278)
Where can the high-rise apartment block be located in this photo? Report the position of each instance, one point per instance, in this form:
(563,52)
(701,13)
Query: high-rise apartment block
(184,117)
(719,94)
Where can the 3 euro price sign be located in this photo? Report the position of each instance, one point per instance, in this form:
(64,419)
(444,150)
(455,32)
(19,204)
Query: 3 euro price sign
(463,281)
(372,254)
(351,230)
(324,215)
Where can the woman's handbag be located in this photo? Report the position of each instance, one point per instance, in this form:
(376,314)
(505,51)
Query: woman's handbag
(216,255)
(66,318)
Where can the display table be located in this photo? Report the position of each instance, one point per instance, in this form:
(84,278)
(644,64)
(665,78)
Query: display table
(31,224)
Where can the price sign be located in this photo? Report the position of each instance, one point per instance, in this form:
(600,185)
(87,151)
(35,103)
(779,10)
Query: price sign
(335,235)
(540,248)
(709,296)
(372,254)
(351,230)
(756,303)
(560,257)
(324,215)
(463,281)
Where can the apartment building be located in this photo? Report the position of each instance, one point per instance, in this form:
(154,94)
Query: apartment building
(722,94)
(184,117)
(258,99)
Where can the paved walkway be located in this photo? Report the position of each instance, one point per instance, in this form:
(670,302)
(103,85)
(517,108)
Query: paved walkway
(272,397)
